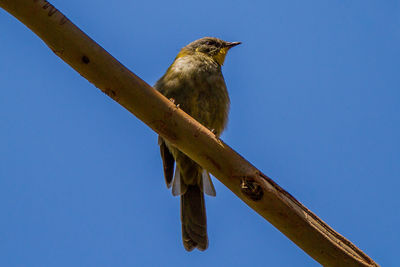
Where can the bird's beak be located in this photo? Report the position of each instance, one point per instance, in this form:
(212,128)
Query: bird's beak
(232,44)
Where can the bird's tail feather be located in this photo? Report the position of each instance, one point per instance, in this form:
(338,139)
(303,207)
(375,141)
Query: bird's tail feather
(193,217)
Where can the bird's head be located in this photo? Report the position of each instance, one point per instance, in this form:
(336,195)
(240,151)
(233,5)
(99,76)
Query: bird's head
(210,46)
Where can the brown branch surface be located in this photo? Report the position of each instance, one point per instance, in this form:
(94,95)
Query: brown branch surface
(257,190)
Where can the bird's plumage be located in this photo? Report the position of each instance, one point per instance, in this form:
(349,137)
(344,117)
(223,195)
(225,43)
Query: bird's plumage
(195,82)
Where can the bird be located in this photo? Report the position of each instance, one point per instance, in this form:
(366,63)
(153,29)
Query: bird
(195,83)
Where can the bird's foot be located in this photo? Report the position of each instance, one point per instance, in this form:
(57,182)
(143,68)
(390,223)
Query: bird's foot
(173,101)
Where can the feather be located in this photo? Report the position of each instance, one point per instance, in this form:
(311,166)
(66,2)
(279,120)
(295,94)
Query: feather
(208,187)
(178,187)
(168,162)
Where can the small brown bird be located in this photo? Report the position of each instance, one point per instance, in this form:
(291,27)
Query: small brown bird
(195,82)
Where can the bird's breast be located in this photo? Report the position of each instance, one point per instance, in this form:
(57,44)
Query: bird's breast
(198,86)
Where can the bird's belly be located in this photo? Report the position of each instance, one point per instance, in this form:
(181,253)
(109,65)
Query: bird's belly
(206,101)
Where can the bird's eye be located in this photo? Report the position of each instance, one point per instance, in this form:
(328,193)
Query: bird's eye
(210,43)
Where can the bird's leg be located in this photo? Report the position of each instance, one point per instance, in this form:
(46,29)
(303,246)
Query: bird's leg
(173,101)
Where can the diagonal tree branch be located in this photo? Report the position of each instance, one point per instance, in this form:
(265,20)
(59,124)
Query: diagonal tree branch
(256,189)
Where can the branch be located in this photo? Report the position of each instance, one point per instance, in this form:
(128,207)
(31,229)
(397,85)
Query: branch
(256,189)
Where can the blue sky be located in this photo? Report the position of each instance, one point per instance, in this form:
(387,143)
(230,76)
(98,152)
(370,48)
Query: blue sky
(315,105)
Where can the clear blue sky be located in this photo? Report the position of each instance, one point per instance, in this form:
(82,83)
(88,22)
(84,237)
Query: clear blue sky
(315,91)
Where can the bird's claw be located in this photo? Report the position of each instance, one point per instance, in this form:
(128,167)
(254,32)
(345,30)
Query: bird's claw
(173,101)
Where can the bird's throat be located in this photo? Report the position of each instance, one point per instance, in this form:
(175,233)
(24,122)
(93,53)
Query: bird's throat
(220,57)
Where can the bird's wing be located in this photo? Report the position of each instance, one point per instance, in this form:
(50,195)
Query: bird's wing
(168,162)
